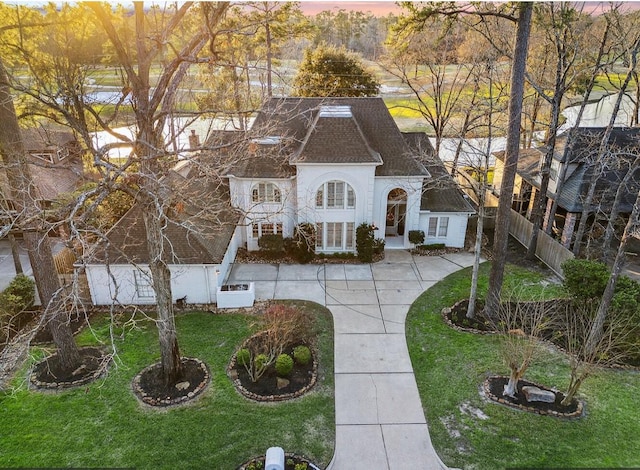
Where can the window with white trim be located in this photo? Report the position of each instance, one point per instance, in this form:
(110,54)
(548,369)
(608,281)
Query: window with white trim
(265,192)
(335,195)
(144,289)
(265,228)
(335,236)
(438,227)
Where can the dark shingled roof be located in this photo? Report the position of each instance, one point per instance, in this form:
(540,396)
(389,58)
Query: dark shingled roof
(192,235)
(371,134)
(586,145)
(440,193)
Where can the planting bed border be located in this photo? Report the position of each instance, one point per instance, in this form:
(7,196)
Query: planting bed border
(44,386)
(485,388)
(156,402)
(287,455)
(270,398)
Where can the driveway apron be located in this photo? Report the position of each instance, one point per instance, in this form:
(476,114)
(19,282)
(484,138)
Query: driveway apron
(380,423)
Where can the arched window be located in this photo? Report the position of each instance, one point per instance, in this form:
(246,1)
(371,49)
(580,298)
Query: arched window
(265,192)
(335,195)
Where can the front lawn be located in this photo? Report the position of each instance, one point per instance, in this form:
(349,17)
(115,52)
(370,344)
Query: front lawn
(469,432)
(103,425)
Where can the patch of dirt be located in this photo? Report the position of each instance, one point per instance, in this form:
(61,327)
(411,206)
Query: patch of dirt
(494,387)
(244,256)
(267,388)
(150,387)
(49,373)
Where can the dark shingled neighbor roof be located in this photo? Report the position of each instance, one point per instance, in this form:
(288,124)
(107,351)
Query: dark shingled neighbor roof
(307,137)
(575,187)
(440,193)
(191,237)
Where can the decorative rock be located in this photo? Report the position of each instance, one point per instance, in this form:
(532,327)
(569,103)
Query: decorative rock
(537,394)
(282,383)
(182,385)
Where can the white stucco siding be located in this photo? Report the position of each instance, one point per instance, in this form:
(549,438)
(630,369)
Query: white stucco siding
(265,212)
(196,282)
(456,228)
(311,177)
(383,186)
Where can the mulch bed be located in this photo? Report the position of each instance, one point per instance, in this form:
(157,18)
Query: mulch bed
(301,380)
(290,461)
(244,256)
(48,373)
(149,385)
(494,386)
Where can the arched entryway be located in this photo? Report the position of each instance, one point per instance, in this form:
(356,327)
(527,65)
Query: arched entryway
(395,218)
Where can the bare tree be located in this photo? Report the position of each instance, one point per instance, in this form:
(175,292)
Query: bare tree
(29,219)
(587,353)
(521,325)
(501,237)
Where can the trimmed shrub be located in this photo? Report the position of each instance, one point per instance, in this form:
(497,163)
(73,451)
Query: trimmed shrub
(284,365)
(302,355)
(416,237)
(378,246)
(432,246)
(365,242)
(585,279)
(19,294)
(261,361)
(272,244)
(243,357)
(304,242)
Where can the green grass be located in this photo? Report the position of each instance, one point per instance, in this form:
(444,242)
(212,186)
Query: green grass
(103,425)
(450,366)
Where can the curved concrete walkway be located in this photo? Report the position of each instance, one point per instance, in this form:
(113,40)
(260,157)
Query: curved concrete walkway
(380,424)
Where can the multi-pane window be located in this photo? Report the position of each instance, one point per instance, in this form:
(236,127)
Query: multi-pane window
(335,236)
(265,192)
(143,284)
(335,195)
(265,228)
(438,227)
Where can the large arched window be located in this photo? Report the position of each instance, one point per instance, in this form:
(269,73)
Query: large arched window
(265,192)
(335,195)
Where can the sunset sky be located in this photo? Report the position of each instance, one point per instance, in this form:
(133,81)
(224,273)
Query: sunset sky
(377,8)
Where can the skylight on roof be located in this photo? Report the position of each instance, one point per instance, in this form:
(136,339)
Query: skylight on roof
(268,140)
(336,111)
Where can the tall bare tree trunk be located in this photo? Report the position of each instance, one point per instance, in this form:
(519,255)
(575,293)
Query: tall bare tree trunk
(501,238)
(15,253)
(35,236)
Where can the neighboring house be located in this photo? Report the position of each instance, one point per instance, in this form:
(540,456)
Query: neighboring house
(624,143)
(337,163)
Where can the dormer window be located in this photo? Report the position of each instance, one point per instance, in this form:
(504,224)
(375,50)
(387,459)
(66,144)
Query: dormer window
(47,157)
(265,192)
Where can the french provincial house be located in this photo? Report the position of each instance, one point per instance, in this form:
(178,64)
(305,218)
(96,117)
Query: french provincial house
(332,162)
(340,162)
(581,161)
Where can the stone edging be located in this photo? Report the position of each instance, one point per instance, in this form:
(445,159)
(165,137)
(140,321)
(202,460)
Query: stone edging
(445,311)
(485,387)
(76,383)
(155,402)
(287,455)
(270,398)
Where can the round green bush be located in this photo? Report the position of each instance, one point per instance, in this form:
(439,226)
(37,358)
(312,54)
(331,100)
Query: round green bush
(302,355)
(261,361)
(243,357)
(284,365)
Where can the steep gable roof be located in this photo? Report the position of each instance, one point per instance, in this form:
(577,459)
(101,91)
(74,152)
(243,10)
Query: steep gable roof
(306,133)
(440,193)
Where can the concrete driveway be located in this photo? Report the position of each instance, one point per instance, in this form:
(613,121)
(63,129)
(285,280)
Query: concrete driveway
(380,424)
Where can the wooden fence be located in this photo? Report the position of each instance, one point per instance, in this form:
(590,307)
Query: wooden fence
(548,250)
